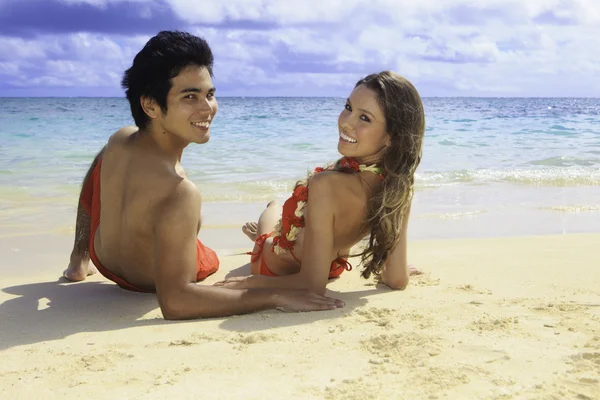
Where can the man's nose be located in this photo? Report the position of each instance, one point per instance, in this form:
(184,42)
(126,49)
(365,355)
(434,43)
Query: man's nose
(206,105)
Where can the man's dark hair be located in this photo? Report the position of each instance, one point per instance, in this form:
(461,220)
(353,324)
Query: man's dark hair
(161,59)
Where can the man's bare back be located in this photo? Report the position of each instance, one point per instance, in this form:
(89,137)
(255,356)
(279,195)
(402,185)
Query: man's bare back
(136,182)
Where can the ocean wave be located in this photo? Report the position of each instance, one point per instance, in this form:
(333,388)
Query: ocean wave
(454,215)
(447,142)
(538,177)
(564,161)
(573,208)
(252,191)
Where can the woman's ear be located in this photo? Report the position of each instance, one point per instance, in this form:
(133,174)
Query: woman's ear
(149,106)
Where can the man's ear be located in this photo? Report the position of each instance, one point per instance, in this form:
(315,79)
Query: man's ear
(150,107)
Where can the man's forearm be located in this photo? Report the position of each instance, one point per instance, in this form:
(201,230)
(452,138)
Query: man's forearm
(293,281)
(83,220)
(198,301)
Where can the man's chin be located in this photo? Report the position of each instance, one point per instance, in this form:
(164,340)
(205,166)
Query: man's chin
(202,139)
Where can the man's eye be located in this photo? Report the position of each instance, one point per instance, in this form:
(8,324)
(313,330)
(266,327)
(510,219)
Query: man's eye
(190,96)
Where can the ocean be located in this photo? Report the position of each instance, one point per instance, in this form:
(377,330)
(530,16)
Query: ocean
(491,166)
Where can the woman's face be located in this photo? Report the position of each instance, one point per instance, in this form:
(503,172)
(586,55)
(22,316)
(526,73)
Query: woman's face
(362,127)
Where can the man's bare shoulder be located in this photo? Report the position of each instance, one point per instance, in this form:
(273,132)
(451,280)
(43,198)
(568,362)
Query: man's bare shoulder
(123,133)
(184,197)
(118,138)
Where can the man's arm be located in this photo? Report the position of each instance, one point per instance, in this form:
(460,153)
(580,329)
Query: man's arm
(82,223)
(80,257)
(178,294)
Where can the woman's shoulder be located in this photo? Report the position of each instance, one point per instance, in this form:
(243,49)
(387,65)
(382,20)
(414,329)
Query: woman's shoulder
(341,186)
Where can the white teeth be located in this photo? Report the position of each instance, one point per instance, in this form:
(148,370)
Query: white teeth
(202,124)
(347,138)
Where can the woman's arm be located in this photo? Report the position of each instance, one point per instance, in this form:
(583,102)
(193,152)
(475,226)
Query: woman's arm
(318,245)
(396,272)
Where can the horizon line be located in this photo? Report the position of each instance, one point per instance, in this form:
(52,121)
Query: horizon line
(312,97)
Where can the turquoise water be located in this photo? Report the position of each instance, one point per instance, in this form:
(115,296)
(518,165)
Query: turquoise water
(482,156)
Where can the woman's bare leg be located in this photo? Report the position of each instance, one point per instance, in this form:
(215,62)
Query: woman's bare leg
(266,224)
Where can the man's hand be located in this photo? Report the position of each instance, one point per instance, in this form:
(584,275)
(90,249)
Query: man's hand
(238,282)
(304,300)
(286,299)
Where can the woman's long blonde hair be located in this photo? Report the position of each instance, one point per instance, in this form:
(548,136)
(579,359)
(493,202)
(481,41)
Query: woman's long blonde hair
(389,205)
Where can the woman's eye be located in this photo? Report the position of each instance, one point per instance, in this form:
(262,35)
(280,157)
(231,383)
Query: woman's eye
(347,107)
(365,118)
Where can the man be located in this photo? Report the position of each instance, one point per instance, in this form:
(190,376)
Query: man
(139,216)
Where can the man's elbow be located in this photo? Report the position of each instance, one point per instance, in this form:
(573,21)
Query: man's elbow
(172,311)
(173,306)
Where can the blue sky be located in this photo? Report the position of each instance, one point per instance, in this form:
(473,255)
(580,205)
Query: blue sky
(310,47)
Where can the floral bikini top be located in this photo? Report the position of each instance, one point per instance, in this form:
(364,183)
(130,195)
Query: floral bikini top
(292,217)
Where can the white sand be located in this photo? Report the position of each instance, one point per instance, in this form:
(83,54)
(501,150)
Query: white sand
(491,319)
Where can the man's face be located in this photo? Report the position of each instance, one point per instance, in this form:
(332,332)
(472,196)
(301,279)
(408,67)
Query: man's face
(191,105)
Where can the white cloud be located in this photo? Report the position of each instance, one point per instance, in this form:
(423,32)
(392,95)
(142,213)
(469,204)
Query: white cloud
(19,49)
(464,47)
(77,60)
(347,12)
(9,69)
(265,11)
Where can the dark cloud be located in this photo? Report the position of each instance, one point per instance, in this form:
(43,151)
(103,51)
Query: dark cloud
(7,90)
(439,52)
(290,61)
(31,18)
(550,18)
(39,17)
(457,58)
(476,16)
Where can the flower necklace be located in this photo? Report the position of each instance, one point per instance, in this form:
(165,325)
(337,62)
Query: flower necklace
(292,216)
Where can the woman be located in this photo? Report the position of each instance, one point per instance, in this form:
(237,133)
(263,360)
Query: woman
(366,193)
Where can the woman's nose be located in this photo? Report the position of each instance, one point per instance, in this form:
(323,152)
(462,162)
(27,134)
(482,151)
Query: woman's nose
(348,124)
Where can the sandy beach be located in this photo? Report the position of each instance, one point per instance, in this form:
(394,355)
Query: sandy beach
(507,318)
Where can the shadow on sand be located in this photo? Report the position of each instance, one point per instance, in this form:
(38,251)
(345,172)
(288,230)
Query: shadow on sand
(54,310)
